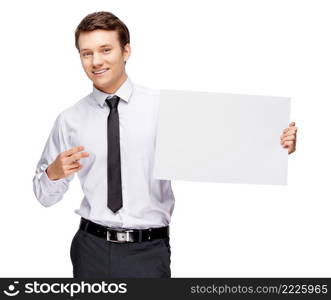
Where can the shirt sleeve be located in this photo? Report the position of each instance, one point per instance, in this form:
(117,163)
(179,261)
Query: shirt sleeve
(47,191)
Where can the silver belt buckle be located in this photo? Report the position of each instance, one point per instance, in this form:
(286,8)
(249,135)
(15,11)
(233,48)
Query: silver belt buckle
(122,236)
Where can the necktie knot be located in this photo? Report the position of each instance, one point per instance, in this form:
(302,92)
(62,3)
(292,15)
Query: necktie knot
(113,102)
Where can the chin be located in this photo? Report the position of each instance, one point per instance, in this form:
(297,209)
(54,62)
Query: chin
(102,83)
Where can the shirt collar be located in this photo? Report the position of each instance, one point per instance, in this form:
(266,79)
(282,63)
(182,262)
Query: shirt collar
(124,92)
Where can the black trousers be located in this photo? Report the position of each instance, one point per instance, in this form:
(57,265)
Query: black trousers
(95,257)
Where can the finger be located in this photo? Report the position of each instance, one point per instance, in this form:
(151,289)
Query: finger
(288,144)
(77,156)
(73,150)
(74,170)
(288,138)
(290,132)
(73,165)
(292,127)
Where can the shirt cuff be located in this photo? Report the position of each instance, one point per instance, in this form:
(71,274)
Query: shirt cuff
(52,185)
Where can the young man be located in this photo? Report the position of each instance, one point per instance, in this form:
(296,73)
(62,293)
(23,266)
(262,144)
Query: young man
(125,213)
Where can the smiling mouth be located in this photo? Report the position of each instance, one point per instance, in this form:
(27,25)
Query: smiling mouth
(100,72)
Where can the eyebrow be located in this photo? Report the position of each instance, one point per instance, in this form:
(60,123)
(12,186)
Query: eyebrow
(102,46)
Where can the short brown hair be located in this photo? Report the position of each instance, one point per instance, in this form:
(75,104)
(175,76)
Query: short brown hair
(103,20)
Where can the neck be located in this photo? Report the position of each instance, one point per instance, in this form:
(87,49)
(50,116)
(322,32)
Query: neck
(113,86)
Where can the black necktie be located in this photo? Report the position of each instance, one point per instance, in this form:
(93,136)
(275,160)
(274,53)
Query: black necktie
(114,156)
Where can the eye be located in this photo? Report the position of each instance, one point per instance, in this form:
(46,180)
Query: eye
(107,50)
(87,53)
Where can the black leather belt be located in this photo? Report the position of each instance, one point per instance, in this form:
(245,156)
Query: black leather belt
(123,235)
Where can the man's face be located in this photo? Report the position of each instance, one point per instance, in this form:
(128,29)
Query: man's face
(102,58)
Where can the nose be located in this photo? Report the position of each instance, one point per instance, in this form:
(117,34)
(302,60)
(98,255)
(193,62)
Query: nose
(97,60)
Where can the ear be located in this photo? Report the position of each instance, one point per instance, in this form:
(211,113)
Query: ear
(127,52)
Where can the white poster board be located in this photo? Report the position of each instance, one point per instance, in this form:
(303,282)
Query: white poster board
(218,137)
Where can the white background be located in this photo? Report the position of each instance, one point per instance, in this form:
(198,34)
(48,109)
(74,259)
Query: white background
(276,48)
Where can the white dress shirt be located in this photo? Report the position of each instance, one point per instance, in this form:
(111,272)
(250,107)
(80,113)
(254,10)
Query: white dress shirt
(147,202)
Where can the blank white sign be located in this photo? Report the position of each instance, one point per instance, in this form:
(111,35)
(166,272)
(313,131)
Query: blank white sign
(218,137)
